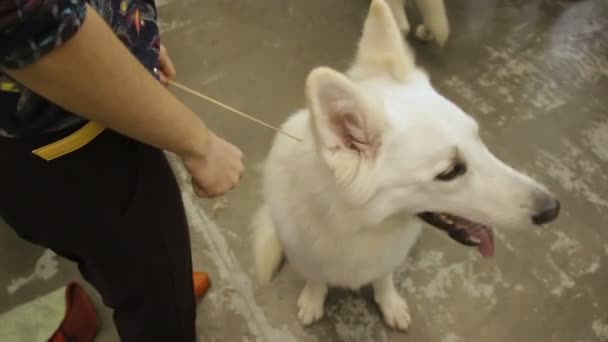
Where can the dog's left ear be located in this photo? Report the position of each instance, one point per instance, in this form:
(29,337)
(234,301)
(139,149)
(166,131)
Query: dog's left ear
(344,120)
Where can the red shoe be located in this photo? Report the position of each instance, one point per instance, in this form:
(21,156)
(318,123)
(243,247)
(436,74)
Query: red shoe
(80,321)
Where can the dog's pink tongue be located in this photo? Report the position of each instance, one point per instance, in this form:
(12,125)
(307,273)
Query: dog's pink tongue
(486,244)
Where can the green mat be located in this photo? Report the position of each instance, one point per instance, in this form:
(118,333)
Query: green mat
(34,321)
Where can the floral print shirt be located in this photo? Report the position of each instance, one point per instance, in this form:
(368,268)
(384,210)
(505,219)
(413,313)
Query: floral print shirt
(29,29)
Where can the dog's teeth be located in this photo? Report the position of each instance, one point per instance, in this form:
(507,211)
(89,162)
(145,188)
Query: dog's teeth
(474,239)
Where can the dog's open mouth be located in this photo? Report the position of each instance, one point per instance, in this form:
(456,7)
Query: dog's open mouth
(466,232)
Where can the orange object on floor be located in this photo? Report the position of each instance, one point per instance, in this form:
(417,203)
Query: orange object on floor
(202,282)
(80,321)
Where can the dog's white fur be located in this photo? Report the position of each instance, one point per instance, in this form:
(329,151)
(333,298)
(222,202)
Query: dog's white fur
(435,20)
(341,204)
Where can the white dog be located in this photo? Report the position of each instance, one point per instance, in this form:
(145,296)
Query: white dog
(435,21)
(380,150)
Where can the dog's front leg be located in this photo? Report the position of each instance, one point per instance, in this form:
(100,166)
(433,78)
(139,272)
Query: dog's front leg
(394,308)
(311,301)
(398,9)
(436,26)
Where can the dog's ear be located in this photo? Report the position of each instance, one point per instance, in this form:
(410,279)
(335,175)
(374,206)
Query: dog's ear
(343,119)
(382,48)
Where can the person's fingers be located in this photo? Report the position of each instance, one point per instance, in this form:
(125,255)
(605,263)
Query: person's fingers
(168,70)
(202,192)
(220,173)
(165,63)
(162,78)
(198,190)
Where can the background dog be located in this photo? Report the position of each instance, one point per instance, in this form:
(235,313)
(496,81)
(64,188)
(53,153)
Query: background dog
(435,24)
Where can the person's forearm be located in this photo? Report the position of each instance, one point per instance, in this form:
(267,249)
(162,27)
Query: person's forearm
(95,76)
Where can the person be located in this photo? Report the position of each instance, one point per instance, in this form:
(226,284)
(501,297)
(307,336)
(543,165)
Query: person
(83,124)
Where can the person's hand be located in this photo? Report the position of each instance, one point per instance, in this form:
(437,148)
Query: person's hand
(166,70)
(217,170)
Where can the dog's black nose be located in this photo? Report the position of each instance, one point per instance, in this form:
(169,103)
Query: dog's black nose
(548,214)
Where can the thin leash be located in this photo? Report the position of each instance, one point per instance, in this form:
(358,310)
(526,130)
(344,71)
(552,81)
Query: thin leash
(233,110)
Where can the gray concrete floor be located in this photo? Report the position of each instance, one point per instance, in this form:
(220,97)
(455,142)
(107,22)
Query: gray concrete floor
(534,73)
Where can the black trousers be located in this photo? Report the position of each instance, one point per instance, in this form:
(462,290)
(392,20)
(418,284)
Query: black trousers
(114,208)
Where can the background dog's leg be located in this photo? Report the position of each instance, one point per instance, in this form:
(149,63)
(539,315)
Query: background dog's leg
(311,301)
(436,26)
(393,306)
(398,9)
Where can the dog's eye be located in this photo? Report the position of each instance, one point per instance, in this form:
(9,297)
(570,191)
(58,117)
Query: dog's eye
(455,170)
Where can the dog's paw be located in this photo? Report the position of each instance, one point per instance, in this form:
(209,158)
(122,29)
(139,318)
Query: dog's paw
(439,34)
(310,307)
(402,22)
(404,27)
(423,33)
(310,303)
(395,311)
